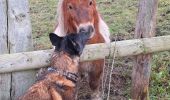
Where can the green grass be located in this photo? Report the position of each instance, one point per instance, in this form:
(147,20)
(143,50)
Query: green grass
(43,14)
(120,15)
(160,77)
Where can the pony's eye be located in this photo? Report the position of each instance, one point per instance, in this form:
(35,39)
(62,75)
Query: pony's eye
(70,7)
(91,2)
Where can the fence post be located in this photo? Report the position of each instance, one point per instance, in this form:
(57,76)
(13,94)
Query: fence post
(20,40)
(5,79)
(145,28)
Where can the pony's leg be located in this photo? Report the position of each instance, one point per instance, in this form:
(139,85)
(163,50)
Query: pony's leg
(95,78)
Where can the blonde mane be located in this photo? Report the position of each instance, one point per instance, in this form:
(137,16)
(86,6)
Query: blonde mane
(61,30)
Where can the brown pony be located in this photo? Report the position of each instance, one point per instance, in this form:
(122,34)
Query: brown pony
(77,16)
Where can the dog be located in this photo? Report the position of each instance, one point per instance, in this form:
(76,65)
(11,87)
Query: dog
(59,81)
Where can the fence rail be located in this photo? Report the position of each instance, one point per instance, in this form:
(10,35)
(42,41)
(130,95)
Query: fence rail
(39,59)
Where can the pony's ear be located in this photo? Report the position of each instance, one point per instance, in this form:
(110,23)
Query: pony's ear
(55,40)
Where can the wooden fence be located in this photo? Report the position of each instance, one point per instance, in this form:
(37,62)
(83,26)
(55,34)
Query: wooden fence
(38,59)
(17,70)
(15,36)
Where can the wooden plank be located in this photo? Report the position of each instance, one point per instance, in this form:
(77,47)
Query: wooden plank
(20,40)
(3,27)
(19,32)
(19,61)
(21,81)
(145,28)
(5,79)
(39,59)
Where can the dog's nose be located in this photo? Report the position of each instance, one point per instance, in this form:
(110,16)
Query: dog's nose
(87,29)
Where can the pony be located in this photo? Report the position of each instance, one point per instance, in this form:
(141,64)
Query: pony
(76,16)
(59,81)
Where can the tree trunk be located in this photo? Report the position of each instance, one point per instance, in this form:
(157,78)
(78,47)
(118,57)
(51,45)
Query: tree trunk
(145,28)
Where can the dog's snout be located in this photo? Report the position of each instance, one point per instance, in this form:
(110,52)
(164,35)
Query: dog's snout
(87,29)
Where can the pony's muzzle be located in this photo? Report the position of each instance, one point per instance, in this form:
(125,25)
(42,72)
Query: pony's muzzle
(87,29)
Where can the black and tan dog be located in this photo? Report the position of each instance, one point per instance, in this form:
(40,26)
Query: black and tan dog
(58,82)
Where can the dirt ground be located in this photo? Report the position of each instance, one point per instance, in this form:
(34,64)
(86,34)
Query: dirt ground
(120,84)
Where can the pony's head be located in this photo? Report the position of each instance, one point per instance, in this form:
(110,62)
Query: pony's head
(77,16)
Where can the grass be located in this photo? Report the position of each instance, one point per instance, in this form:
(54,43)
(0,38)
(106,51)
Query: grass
(120,19)
(160,77)
(120,16)
(43,14)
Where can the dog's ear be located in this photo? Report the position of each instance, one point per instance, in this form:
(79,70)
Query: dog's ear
(55,40)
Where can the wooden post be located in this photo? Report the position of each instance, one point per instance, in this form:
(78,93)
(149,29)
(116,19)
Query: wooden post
(5,79)
(19,40)
(145,28)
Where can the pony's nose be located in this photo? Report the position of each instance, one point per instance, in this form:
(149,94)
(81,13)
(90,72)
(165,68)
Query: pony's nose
(90,29)
(82,30)
(87,29)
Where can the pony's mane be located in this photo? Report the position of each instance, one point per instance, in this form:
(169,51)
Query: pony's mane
(61,31)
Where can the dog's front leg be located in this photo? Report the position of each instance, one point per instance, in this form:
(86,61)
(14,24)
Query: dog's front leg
(55,95)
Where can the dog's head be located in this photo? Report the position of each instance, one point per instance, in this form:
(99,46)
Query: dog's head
(73,44)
